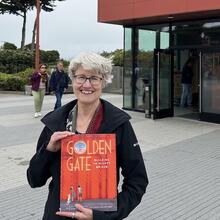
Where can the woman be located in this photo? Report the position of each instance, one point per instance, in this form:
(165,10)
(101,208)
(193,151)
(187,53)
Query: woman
(39,82)
(88,114)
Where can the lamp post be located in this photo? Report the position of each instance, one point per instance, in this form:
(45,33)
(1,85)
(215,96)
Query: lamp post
(37,58)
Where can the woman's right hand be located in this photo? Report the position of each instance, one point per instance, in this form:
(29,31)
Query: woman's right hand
(54,143)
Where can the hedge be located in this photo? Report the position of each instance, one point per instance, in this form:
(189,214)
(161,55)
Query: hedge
(14,61)
(15,82)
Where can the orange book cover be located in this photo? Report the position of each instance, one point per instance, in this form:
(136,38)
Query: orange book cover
(88,172)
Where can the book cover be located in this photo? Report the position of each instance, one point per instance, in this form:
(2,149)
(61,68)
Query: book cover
(88,172)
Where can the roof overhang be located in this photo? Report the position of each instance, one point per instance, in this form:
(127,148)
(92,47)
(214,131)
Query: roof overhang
(166,18)
(136,12)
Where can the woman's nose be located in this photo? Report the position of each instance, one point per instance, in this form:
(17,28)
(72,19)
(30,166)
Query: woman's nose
(87,83)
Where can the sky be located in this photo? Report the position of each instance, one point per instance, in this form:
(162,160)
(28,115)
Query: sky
(71,28)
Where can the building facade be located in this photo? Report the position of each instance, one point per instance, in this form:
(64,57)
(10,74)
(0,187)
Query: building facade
(159,37)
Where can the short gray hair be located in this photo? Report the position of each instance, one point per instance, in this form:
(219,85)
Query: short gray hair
(92,61)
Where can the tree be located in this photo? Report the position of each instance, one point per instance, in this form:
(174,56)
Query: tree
(116,56)
(48,6)
(19,8)
(9,46)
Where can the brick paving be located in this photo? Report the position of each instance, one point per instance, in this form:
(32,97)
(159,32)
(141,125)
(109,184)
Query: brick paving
(184,181)
(182,159)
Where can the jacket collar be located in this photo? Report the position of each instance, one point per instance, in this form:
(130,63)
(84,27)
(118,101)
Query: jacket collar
(56,120)
(113,117)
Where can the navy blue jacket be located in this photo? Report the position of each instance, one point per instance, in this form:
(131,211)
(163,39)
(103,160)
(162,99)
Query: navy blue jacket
(187,75)
(46,164)
(59,81)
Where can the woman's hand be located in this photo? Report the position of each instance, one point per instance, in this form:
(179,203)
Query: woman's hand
(54,143)
(81,213)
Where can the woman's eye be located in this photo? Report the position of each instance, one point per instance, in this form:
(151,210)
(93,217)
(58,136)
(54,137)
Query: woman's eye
(94,78)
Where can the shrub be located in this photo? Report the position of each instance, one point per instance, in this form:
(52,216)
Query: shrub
(11,82)
(3,78)
(15,82)
(50,56)
(13,61)
(26,75)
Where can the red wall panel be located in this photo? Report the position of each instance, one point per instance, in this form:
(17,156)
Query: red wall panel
(116,10)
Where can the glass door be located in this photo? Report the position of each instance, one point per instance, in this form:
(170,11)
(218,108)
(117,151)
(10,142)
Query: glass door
(210,86)
(163,84)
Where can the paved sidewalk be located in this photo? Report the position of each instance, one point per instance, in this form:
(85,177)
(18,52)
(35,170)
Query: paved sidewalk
(182,160)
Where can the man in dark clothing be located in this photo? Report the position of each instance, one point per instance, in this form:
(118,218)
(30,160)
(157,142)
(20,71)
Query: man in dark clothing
(58,82)
(187,74)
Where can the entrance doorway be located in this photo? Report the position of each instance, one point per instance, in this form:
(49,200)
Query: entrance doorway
(187,110)
(205,84)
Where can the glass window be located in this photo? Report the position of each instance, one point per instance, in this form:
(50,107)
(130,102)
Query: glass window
(203,33)
(211,83)
(165,81)
(127,68)
(164,40)
(145,65)
(147,42)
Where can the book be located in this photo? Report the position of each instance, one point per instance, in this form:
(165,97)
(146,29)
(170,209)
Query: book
(88,172)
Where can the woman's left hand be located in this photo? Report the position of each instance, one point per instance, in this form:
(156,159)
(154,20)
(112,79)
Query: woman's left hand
(81,213)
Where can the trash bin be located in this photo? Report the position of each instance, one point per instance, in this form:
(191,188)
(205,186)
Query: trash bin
(147,98)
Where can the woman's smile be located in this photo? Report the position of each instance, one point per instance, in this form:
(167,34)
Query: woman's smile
(86,92)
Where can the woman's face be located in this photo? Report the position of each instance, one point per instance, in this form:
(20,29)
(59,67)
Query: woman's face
(43,69)
(87,86)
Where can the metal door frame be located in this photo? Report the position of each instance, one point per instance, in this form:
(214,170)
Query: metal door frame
(157,112)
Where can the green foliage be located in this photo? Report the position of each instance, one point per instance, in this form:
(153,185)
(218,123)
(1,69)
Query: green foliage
(9,46)
(145,58)
(26,75)
(48,5)
(106,54)
(116,56)
(15,82)
(52,65)
(66,63)
(11,82)
(13,61)
(21,7)
(46,56)
(49,56)
(28,47)
(17,7)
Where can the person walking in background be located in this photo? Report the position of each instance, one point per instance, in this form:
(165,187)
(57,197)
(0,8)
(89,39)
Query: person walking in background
(89,114)
(58,83)
(73,194)
(79,189)
(187,74)
(39,83)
